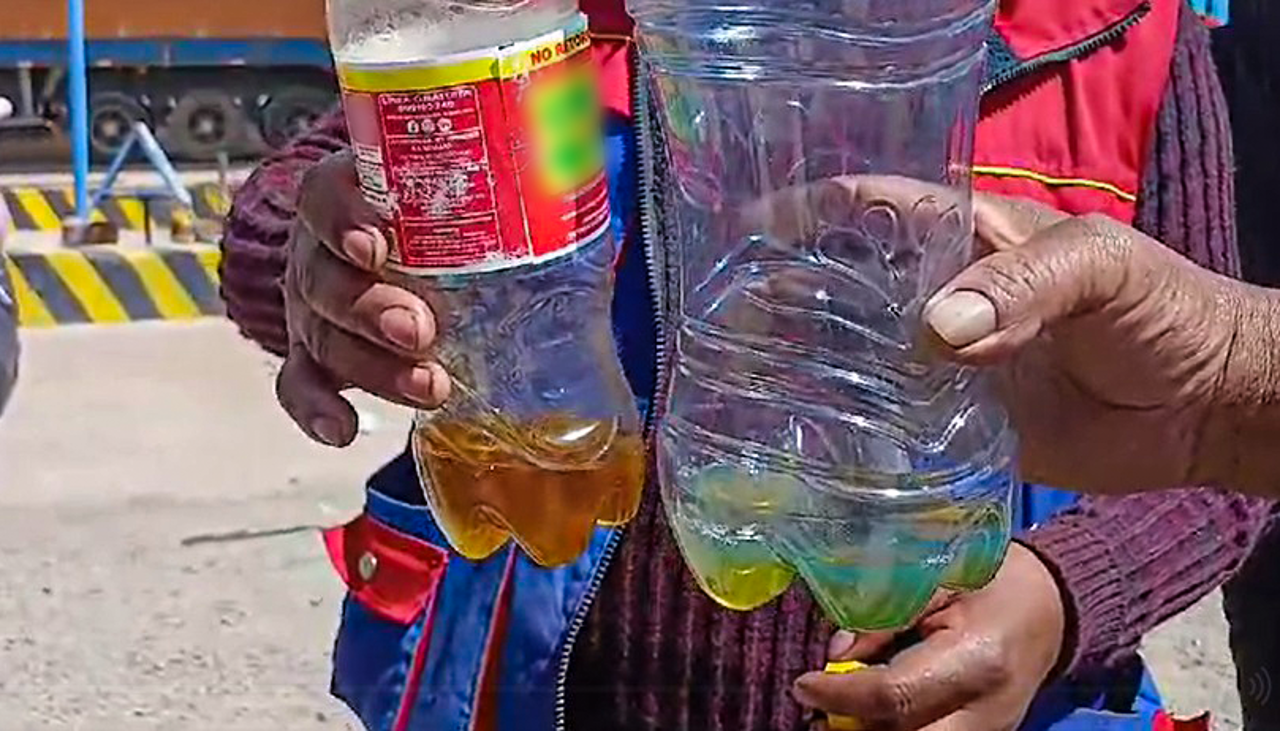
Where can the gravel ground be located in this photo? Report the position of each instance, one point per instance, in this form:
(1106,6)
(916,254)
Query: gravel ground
(1192,664)
(161,569)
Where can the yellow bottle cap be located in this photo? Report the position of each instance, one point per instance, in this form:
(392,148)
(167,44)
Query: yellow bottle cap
(844,723)
(844,667)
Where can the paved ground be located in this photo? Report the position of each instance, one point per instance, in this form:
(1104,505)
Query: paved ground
(159,567)
(1193,664)
(135,466)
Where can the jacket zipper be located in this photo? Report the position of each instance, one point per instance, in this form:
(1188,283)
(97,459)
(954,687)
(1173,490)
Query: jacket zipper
(657,279)
(1083,48)
(658,275)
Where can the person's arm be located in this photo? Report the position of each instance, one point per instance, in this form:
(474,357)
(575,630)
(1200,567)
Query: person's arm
(8,321)
(1126,564)
(254,247)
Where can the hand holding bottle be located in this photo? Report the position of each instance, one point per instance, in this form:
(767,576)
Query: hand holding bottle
(348,328)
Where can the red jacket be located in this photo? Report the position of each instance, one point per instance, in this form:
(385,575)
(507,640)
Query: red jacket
(1094,119)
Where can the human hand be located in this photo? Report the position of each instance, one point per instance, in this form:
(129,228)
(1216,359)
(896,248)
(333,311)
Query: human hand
(348,328)
(1114,349)
(1124,366)
(980,661)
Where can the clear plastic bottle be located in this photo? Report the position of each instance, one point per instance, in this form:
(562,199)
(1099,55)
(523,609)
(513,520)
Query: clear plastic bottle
(803,432)
(476,129)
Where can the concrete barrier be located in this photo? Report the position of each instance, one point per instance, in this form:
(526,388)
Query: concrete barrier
(108,285)
(45,208)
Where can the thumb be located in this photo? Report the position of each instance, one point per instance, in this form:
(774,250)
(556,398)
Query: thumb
(310,397)
(1002,302)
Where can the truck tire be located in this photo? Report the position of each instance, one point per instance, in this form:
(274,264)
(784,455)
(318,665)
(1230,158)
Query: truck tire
(205,122)
(292,111)
(111,118)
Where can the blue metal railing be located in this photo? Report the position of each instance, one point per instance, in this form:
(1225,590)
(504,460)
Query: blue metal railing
(78,102)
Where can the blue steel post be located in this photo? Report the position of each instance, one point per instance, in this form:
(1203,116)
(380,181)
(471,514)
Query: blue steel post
(78,91)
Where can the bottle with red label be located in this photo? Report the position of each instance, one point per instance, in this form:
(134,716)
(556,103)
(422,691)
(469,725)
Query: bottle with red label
(477,133)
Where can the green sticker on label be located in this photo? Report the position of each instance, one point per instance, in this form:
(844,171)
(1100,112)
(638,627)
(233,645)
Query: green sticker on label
(566,128)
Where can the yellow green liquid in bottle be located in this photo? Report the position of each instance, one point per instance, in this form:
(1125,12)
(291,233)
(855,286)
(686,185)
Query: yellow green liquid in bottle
(720,524)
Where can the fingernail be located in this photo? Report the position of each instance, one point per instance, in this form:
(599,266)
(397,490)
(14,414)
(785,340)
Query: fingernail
(962,318)
(841,645)
(801,693)
(400,326)
(327,430)
(417,385)
(359,246)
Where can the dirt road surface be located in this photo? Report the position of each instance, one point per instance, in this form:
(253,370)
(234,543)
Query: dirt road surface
(159,563)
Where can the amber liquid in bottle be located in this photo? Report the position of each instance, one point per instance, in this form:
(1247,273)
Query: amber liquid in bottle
(546,482)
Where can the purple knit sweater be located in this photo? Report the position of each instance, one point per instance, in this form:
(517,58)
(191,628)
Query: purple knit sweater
(656,654)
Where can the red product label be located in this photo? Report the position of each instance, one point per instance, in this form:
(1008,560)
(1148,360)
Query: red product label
(483,161)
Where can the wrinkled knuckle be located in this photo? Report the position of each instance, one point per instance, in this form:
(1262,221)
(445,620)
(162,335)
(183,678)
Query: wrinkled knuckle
(1012,277)
(891,702)
(1096,223)
(903,700)
(1105,235)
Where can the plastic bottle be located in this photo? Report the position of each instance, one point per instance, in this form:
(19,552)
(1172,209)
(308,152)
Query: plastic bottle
(802,430)
(476,130)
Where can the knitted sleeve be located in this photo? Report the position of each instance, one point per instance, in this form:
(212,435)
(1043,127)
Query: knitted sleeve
(1126,564)
(254,247)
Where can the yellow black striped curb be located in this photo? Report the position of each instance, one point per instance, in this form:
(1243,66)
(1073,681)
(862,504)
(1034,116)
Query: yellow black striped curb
(44,209)
(114,285)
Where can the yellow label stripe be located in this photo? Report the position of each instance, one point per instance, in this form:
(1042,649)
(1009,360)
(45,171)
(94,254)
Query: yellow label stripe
(166,292)
(504,62)
(1054,182)
(418,78)
(86,285)
(548,53)
(31,309)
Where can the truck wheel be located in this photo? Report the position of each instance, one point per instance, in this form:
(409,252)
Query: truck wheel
(111,118)
(292,111)
(206,122)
